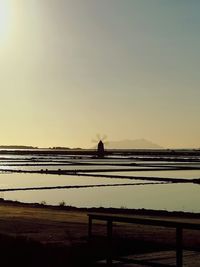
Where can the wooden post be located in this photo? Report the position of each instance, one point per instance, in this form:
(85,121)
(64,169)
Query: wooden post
(89,228)
(179,250)
(109,229)
(109,241)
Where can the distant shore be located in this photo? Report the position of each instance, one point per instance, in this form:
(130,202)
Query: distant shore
(74,152)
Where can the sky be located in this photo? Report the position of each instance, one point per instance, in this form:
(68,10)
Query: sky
(72,69)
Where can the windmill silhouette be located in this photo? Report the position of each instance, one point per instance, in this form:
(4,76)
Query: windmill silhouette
(100,141)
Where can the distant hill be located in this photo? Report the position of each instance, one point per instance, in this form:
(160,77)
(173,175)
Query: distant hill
(132,144)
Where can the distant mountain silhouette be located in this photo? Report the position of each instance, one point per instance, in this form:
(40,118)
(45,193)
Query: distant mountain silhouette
(132,144)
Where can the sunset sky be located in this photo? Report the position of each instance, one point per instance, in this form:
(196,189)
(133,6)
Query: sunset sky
(70,69)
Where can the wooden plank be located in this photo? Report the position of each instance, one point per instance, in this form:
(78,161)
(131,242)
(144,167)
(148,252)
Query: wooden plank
(144,221)
(163,258)
(166,258)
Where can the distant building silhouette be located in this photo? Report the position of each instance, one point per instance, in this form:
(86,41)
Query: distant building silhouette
(100,150)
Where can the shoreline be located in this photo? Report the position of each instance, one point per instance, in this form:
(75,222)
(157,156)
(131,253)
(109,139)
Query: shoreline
(127,211)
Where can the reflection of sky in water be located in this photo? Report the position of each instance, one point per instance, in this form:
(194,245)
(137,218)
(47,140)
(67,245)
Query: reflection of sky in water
(14,180)
(184,197)
(165,174)
(179,197)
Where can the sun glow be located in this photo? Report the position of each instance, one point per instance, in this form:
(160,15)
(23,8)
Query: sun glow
(4,18)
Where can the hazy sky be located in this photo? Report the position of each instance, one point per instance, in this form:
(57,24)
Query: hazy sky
(70,69)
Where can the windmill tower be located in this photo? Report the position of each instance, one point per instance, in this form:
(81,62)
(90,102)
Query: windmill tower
(100,150)
(100,145)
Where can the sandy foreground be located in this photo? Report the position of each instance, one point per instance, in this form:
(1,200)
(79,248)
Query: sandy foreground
(67,227)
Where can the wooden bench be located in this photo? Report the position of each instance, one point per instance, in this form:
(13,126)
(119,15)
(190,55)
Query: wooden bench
(110,218)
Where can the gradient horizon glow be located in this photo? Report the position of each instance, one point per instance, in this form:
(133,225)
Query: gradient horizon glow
(125,68)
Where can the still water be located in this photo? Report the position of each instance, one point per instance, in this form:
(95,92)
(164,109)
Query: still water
(139,194)
(23,180)
(187,174)
(171,197)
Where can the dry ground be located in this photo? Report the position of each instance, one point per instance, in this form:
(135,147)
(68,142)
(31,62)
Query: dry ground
(62,227)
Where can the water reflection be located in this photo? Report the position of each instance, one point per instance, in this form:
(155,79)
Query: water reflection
(189,174)
(179,197)
(172,197)
(19,180)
